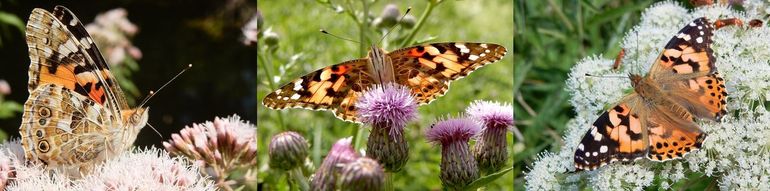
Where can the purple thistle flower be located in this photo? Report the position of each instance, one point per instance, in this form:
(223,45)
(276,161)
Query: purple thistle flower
(491,149)
(458,168)
(391,105)
(342,153)
(362,174)
(287,150)
(387,109)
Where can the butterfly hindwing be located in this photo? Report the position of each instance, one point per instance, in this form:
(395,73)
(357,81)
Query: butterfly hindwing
(428,69)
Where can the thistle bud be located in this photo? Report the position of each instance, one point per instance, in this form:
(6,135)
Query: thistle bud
(491,149)
(458,168)
(287,150)
(362,174)
(325,176)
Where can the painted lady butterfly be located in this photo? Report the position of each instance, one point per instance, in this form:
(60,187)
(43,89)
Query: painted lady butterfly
(76,115)
(657,120)
(426,69)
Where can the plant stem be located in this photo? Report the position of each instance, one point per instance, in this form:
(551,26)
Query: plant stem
(221,181)
(419,24)
(296,175)
(389,181)
(268,60)
(363,27)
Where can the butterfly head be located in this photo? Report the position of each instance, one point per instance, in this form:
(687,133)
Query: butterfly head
(136,118)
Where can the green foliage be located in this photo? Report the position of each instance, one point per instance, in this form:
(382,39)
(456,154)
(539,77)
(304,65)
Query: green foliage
(551,36)
(302,49)
(9,24)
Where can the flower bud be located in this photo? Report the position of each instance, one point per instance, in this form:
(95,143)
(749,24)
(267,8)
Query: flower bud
(287,150)
(362,174)
(491,149)
(325,176)
(458,168)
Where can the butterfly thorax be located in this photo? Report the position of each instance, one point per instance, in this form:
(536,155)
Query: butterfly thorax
(380,66)
(645,87)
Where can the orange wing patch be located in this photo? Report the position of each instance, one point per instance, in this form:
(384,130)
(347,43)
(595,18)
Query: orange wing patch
(713,95)
(672,142)
(66,64)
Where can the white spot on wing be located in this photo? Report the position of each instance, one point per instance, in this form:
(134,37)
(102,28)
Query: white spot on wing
(603,149)
(699,39)
(581,146)
(596,154)
(463,48)
(692,24)
(598,137)
(483,45)
(85,43)
(295,96)
(473,57)
(298,85)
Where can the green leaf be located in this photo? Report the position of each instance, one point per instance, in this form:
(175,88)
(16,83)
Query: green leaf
(10,19)
(487,179)
(8,109)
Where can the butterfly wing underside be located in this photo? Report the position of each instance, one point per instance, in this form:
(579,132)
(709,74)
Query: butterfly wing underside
(73,114)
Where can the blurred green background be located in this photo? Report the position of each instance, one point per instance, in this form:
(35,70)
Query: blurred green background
(301,49)
(551,36)
(172,34)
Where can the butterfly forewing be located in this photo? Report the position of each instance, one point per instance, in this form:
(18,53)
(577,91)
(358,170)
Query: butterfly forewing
(428,69)
(97,62)
(334,88)
(57,56)
(616,135)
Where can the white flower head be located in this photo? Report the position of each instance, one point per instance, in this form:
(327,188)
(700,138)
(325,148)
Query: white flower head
(150,169)
(735,151)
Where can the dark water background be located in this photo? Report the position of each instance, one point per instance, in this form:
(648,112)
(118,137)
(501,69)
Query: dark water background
(172,34)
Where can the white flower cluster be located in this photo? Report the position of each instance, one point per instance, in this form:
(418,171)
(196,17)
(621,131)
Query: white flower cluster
(142,169)
(736,151)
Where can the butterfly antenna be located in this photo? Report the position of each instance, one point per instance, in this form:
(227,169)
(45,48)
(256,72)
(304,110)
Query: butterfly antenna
(153,129)
(152,93)
(396,25)
(605,76)
(346,39)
